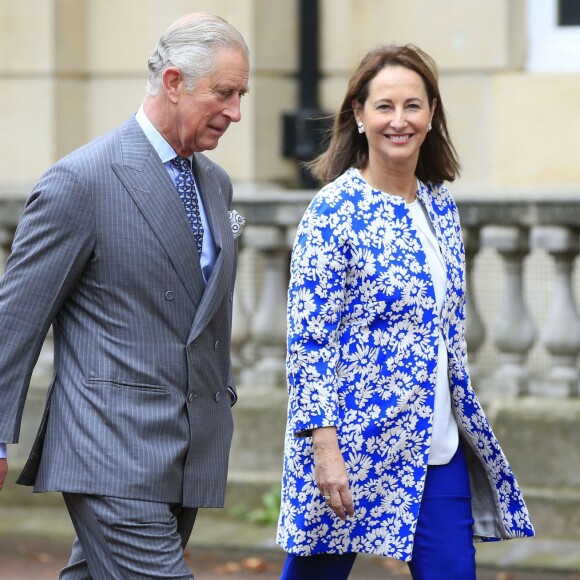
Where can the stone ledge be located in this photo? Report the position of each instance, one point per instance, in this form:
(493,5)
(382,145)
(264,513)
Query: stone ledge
(214,529)
(530,554)
(555,512)
(248,487)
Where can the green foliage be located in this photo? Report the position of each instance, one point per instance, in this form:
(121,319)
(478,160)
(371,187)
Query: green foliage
(267,513)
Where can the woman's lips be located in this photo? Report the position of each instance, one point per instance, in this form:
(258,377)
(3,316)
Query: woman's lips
(399,138)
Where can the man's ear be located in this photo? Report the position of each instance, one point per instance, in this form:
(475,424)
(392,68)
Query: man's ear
(171,81)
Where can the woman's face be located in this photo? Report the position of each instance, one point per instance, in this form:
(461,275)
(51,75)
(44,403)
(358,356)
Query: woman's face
(396,116)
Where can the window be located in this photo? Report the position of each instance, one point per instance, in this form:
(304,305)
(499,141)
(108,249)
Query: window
(554,35)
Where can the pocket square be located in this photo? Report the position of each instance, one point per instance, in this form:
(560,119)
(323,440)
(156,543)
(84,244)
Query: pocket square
(237,222)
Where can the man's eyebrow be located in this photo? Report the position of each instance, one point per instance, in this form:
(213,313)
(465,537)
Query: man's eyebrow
(228,87)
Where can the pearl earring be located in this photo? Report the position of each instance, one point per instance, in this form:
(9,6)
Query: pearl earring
(429,127)
(361,127)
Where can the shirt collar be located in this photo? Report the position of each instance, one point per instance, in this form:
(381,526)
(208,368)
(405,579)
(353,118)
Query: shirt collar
(158,142)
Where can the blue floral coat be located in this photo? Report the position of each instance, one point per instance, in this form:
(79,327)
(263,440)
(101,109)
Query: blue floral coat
(362,355)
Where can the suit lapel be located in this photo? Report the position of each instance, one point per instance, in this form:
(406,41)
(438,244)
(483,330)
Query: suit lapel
(147,182)
(215,202)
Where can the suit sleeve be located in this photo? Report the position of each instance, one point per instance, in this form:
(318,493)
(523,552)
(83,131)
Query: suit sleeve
(52,244)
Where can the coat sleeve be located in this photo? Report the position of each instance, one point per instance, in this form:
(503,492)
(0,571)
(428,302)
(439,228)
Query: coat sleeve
(51,246)
(316,300)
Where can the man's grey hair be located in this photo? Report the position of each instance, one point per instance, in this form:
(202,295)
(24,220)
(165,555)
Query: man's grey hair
(190,44)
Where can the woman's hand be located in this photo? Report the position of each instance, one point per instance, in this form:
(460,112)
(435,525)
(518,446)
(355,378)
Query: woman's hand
(330,472)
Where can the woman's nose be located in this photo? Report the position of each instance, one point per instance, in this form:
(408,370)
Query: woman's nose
(398,119)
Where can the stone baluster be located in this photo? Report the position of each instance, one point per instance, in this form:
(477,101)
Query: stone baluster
(561,332)
(513,330)
(240,322)
(6,237)
(268,324)
(474,328)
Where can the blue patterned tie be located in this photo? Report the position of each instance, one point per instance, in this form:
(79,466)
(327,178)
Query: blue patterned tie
(185,184)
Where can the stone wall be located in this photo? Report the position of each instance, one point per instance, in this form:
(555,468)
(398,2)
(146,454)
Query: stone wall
(73,69)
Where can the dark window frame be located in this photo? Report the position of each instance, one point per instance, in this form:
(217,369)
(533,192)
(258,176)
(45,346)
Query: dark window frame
(568,12)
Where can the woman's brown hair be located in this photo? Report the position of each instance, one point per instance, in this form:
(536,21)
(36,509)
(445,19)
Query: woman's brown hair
(347,148)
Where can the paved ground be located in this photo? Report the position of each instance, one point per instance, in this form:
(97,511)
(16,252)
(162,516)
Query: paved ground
(35,542)
(40,558)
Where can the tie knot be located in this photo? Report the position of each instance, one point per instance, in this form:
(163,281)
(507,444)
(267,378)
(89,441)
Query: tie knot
(182,163)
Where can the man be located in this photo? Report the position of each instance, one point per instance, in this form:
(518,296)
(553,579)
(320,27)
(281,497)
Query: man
(138,286)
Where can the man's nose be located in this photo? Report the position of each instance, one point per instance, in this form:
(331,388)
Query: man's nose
(234,110)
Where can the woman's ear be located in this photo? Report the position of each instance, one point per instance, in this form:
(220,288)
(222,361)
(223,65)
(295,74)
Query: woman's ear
(433,107)
(356,108)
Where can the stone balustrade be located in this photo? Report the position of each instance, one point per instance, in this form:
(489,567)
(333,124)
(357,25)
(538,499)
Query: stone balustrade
(500,238)
(523,335)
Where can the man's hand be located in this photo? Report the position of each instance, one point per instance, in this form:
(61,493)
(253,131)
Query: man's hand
(3,472)
(330,472)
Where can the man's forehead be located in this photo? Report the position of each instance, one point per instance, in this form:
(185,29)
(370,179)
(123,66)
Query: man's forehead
(232,74)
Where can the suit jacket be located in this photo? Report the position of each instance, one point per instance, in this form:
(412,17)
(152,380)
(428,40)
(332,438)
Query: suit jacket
(363,331)
(104,252)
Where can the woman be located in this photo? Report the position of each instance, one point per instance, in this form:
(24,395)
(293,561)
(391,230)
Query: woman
(388,450)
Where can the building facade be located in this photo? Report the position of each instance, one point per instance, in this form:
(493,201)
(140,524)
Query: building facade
(510,76)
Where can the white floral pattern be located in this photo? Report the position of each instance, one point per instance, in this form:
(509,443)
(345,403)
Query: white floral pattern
(362,344)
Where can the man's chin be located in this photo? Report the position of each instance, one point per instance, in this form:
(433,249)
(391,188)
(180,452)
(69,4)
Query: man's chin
(211,146)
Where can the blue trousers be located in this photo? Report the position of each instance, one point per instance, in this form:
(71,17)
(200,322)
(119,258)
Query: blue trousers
(443,546)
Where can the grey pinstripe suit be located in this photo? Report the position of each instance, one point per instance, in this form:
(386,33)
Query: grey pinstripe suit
(138,407)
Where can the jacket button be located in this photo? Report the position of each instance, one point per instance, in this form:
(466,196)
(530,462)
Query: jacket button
(169,295)
(191,396)
(216,344)
(217,397)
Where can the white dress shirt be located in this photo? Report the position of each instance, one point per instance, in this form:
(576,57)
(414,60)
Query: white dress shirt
(445,437)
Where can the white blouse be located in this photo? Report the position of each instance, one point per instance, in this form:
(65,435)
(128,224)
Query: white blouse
(445,434)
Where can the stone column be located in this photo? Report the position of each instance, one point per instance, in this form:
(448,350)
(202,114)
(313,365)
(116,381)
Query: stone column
(513,330)
(561,332)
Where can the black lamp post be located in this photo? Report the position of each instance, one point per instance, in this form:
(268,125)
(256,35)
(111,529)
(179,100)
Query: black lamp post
(304,130)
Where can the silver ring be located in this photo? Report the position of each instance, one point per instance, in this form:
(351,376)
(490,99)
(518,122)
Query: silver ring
(326,497)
